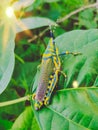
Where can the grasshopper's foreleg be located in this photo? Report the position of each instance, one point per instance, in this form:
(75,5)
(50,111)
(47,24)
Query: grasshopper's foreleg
(72,53)
(67,53)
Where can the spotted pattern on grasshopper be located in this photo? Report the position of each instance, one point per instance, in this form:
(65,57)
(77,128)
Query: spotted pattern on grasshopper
(49,71)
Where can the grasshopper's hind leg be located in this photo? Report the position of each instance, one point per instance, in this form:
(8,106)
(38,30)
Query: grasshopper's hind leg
(52,84)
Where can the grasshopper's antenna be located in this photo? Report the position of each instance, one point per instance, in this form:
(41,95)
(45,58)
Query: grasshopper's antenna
(51,31)
(52,27)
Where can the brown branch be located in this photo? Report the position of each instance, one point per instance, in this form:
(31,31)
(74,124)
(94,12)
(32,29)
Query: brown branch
(40,35)
(65,18)
(77,11)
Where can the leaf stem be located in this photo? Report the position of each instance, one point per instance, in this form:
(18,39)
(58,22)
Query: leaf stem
(19,58)
(2,104)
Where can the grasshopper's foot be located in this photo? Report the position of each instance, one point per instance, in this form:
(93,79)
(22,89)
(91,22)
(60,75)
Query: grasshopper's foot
(75,53)
(46,101)
(63,74)
(38,67)
(38,105)
(33,96)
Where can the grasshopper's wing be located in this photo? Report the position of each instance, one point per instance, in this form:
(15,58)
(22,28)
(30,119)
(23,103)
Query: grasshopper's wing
(45,72)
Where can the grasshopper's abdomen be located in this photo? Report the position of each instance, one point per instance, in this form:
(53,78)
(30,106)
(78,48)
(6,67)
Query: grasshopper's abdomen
(45,72)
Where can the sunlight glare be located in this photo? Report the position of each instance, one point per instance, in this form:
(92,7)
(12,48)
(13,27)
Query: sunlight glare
(75,84)
(9,12)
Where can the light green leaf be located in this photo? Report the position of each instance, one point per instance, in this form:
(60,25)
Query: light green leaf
(7,36)
(22,4)
(32,23)
(26,121)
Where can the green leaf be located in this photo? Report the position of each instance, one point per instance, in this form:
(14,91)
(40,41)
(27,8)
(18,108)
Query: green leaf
(32,23)
(22,4)
(87,14)
(5,124)
(74,3)
(86,19)
(49,1)
(83,68)
(96,82)
(6,54)
(74,108)
(26,121)
(71,109)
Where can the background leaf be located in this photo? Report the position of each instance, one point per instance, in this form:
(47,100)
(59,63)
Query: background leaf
(8,114)
(32,23)
(86,19)
(22,4)
(26,121)
(51,1)
(23,75)
(5,124)
(6,55)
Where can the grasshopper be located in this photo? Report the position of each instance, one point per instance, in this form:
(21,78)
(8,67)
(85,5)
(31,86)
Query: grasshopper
(49,72)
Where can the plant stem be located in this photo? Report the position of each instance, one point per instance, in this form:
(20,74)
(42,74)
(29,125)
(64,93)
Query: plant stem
(77,11)
(40,35)
(19,58)
(15,101)
(65,18)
